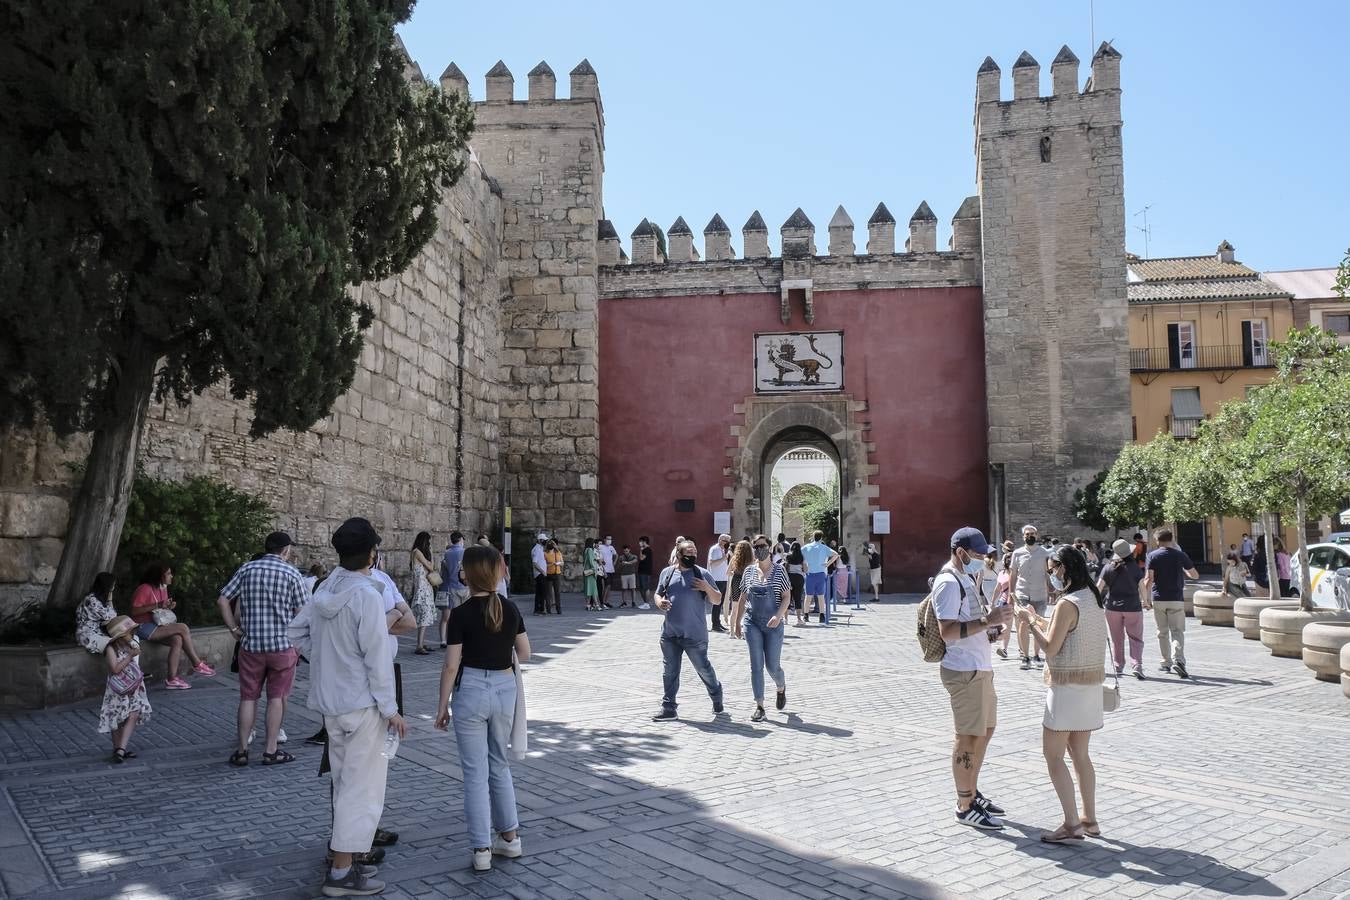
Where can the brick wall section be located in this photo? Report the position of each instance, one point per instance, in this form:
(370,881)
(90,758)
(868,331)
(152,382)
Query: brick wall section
(394,448)
(1054,291)
(548,157)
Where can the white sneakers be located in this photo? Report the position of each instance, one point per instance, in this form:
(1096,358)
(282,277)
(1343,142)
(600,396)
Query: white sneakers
(645,606)
(281,736)
(482,859)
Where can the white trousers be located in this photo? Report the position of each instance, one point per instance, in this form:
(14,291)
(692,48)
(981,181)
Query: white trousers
(355,740)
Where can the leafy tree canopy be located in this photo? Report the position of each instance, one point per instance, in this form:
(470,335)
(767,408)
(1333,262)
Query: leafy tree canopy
(1087,503)
(1134,489)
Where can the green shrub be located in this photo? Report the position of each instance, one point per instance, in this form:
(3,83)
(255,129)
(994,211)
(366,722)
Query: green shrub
(202,528)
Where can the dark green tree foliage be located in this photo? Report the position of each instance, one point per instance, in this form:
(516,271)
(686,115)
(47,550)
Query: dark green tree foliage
(201,527)
(820,511)
(187,191)
(1087,504)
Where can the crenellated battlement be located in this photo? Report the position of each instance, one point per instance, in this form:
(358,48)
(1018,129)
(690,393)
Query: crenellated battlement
(1026,77)
(797,238)
(499,85)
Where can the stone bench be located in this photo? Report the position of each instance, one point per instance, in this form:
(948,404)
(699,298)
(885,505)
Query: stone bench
(41,676)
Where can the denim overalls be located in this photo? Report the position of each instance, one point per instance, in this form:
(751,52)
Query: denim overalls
(765,643)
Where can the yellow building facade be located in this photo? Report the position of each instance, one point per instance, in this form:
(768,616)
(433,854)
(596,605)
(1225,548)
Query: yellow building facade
(1200,335)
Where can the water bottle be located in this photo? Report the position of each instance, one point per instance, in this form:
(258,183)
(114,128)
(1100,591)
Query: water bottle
(390,748)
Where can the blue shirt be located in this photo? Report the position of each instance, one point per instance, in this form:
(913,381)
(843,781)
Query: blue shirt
(688,614)
(815,554)
(1168,565)
(450,568)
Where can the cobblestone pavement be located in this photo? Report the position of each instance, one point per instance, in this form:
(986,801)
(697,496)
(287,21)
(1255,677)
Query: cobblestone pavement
(1235,783)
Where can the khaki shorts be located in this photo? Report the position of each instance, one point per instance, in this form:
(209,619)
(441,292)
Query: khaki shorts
(974,705)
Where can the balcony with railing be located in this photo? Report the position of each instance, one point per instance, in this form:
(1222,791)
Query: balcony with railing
(1191,358)
(1183,428)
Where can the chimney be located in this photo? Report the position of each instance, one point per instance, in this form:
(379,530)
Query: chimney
(584,82)
(717,239)
(922,230)
(1105,69)
(543,83)
(987,81)
(1064,73)
(680,242)
(1026,78)
(644,244)
(607,243)
(454,82)
(798,235)
(755,236)
(841,234)
(1225,252)
(881,232)
(501,84)
(966,227)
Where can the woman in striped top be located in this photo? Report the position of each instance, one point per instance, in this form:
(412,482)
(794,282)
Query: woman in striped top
(763,600)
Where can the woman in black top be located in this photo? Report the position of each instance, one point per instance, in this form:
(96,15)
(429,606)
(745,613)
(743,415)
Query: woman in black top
(796,569)
(482,633)
(1119,582)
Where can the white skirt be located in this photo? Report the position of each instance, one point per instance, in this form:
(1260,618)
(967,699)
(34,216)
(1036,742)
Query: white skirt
(1073,707)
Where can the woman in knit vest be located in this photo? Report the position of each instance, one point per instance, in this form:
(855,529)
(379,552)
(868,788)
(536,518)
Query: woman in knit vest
(1074,641)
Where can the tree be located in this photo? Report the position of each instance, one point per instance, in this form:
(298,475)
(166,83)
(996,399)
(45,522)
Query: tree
(1295,454)
(1136,485)
(820,511)
(1087,503)
(1200,483)
(187,191)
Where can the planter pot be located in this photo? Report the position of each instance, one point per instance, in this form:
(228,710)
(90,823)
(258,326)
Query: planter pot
(1247,613)
(1322,643)
(1282,629)
(38,677)
(1213,608)
(1188,596)
(1345,670)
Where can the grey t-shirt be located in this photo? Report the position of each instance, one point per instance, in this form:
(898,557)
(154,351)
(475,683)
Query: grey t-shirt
(1031,582)
(688,614)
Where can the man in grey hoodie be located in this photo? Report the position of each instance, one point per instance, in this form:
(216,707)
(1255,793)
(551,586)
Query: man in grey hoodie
(344,633)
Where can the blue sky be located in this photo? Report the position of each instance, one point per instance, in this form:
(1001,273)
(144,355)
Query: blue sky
(1235,112)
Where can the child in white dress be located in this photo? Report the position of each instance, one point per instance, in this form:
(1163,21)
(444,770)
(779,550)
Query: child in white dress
(125,704)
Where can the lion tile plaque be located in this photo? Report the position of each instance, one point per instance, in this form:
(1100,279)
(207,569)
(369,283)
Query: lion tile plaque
(788,362)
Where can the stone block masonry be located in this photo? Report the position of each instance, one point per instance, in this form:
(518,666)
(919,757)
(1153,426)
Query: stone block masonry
(412,445)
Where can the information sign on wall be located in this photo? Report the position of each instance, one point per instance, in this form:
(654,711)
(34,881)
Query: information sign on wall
(722,523)
(881,522)
(791,362)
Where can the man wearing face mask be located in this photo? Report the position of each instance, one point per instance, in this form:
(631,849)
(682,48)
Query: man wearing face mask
(1030,585)
(684,592)
(967,672)
(607,555)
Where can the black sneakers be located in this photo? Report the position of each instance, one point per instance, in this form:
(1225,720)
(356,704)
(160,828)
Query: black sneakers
(988,805)
(385,838)
(782,699)
(757,715)
(1026,663)
(717,706)
(665,715)
(353,884)
(1180,669)
(976,817)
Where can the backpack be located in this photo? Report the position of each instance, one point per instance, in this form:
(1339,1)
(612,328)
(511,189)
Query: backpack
(930,629)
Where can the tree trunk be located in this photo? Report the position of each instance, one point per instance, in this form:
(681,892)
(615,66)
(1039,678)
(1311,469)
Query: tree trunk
(1272,570)
(1304,575)
(1223,548)
(100,507)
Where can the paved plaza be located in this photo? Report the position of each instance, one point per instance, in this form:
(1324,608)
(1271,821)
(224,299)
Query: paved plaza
(1235,783)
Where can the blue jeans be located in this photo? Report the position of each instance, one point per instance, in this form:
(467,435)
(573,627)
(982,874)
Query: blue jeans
(766,648)
(483,708)
(672,650)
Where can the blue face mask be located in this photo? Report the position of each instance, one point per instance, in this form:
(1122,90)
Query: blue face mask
(974,565)
(1056,582)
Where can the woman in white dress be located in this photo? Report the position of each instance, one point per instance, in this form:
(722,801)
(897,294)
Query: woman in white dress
(1074,641)
(423,601)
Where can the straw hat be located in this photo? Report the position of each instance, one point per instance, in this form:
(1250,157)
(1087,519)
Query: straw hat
(120,626)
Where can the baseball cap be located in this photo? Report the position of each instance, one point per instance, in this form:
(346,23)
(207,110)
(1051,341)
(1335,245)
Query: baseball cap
(1122,548)
(356,535)
(541,536)
(971,539)
(277,540)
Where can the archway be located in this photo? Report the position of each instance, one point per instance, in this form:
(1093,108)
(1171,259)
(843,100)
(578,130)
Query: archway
(773,426)
(801,465)
(789,512)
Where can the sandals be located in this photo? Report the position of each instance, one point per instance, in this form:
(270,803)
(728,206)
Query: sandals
(1090,828)
(1062,834)
(421,651)
(239,758)
(119,755)
(281,756)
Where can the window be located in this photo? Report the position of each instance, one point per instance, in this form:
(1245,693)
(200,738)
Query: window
(1336,323)
(1181,345)
(1255,344)
(1186,411)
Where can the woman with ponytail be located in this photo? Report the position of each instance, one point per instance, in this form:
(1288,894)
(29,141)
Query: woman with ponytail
(483,633)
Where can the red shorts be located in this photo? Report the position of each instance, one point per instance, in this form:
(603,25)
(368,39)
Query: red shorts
(277,669)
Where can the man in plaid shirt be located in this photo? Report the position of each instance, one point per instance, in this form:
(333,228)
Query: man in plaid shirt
(269,591)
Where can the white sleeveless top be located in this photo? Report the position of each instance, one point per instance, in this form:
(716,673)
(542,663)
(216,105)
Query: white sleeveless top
(1081,660)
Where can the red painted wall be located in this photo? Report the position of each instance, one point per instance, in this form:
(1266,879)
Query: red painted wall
(672,367)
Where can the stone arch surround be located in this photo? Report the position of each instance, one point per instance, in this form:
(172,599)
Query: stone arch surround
(766,420)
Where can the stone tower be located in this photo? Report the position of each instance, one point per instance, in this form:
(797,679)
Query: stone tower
(1051,185)
(547,154)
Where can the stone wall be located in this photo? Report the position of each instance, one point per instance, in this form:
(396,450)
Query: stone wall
(1050,174)
(412,445)
(548,156)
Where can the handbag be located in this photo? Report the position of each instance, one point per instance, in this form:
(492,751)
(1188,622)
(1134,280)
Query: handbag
(126,681)
(163,617)
(1111,692)
(519,743)
(434,579)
